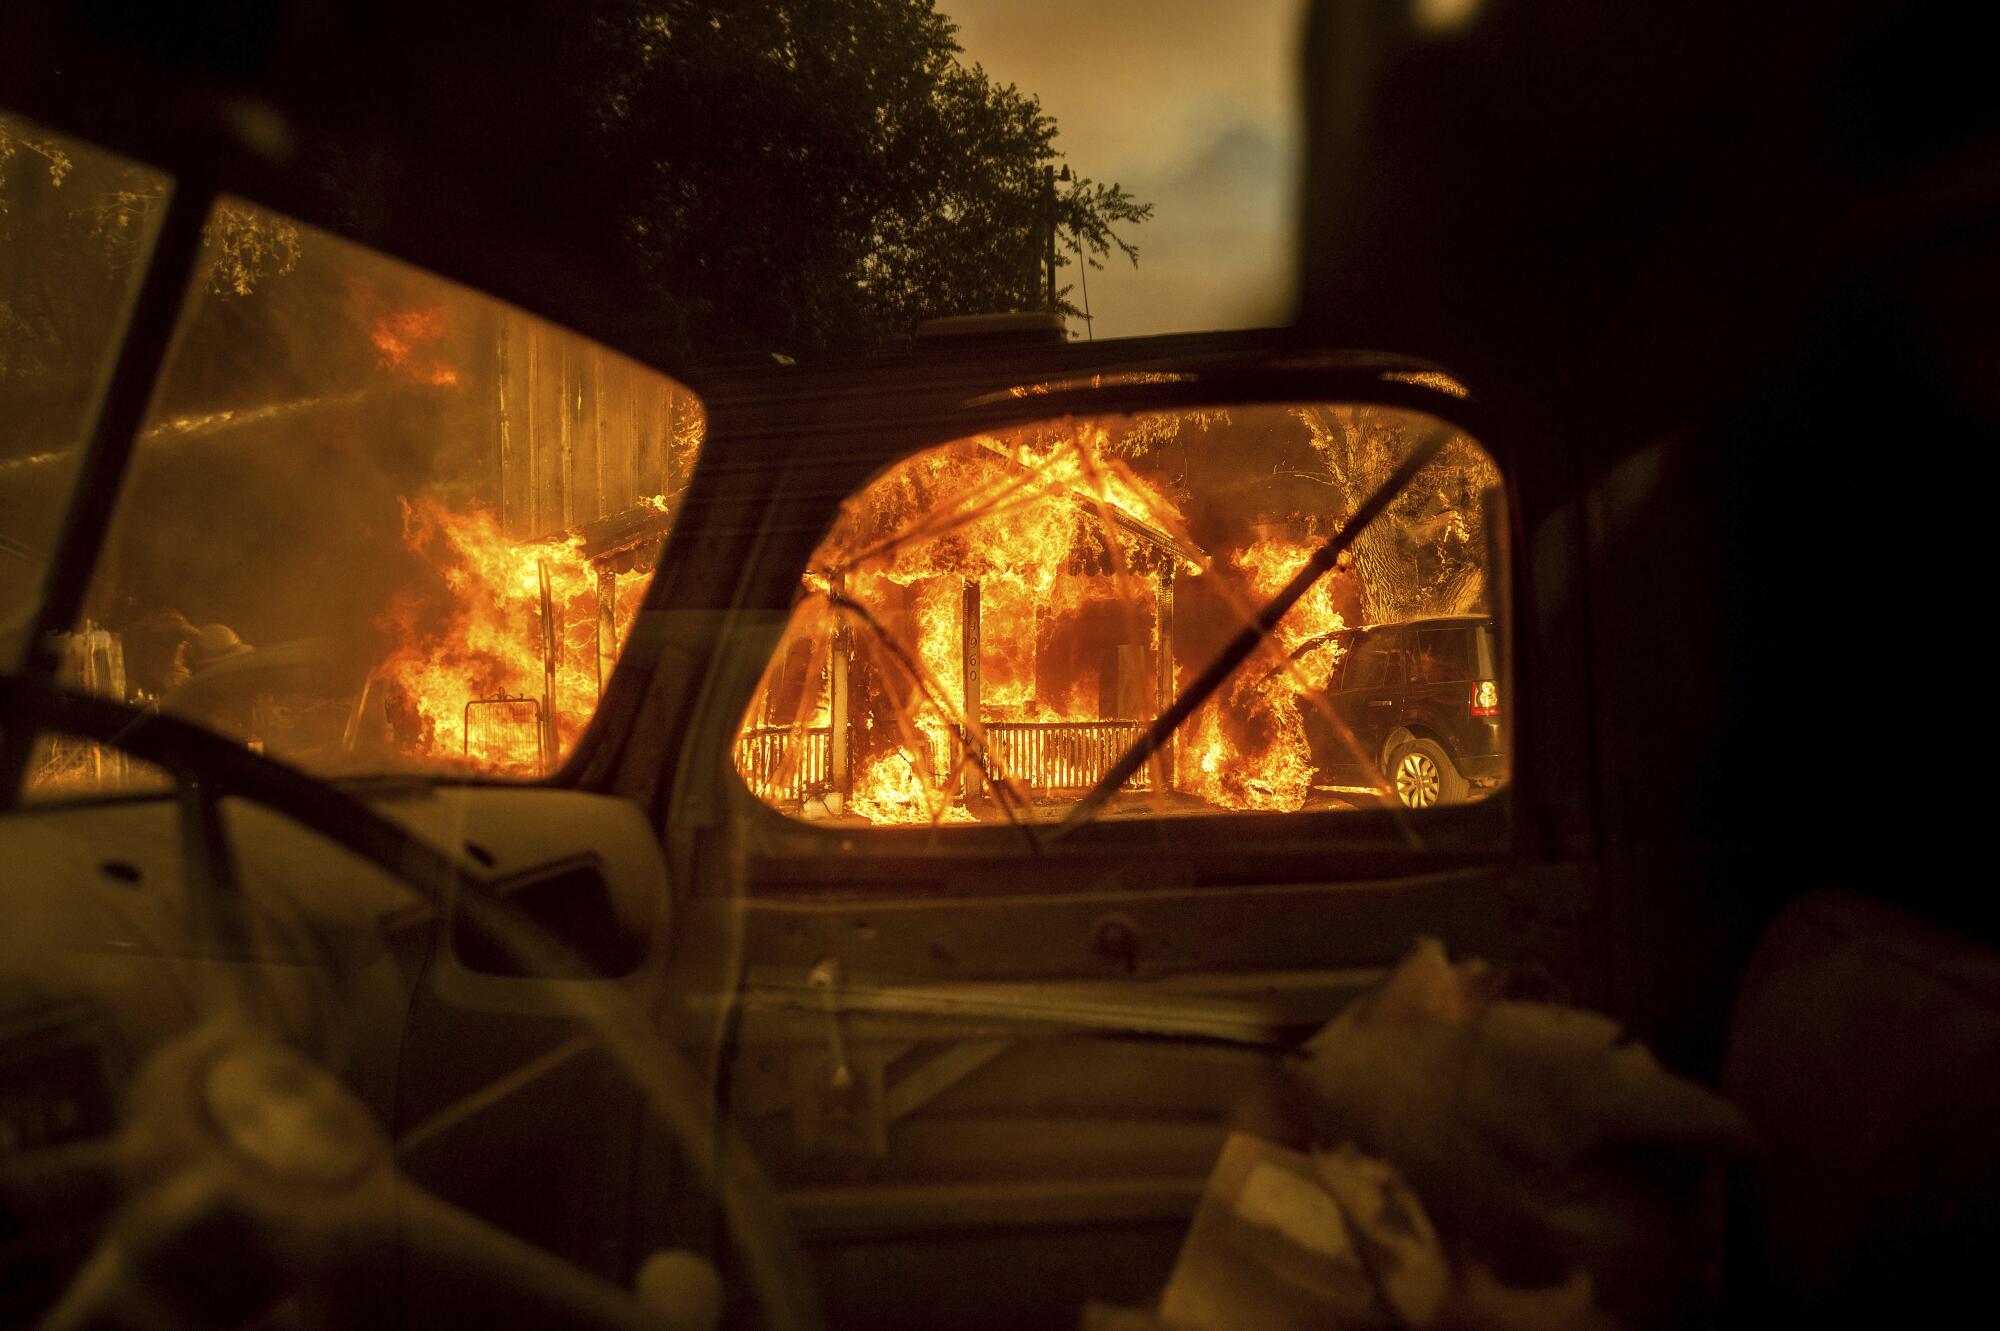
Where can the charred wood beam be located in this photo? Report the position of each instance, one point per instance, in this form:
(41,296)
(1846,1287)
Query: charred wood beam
(1154,536)
(969,650)
(624,531)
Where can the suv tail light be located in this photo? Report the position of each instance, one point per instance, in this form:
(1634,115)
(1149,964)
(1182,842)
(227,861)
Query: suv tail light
(1486,698)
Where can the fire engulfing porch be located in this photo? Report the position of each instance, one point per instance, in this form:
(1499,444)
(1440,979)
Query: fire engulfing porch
(935,683)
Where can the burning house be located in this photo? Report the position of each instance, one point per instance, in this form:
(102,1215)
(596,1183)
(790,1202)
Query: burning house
(993,623)
(498,653)
(1000,627)
(485,502)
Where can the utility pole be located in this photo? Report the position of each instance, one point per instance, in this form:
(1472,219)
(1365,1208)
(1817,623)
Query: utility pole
(1049,199)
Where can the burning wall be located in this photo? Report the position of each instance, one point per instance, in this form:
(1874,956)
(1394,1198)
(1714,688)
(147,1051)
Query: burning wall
(498,649)
(357,458)
(471,675)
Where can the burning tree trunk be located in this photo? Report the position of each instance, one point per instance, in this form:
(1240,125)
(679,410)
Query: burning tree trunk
(1426,555)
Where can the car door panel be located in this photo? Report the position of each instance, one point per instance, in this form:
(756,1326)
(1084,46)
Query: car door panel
(493,1065)
(948,1045)
(1009,1076)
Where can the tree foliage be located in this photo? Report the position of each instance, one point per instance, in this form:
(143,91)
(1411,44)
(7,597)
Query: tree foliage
(809,175)
(790,175)
(71,229)
(62,271)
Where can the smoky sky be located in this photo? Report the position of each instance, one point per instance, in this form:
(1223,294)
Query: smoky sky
(1191,105)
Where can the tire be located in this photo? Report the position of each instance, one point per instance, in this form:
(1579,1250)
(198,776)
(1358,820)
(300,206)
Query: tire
(1423,776)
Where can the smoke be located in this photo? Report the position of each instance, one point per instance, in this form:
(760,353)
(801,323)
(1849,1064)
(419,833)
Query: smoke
(289,426)
(1192,106)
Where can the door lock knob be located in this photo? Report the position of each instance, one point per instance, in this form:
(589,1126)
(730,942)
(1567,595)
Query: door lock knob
(824,978)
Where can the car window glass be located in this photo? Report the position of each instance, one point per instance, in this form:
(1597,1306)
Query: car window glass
(1443,656)
(378,522)
(1378,662)
(77,225)
(993,623)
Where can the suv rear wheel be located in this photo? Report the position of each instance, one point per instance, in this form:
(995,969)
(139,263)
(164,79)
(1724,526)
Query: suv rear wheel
(1424,776)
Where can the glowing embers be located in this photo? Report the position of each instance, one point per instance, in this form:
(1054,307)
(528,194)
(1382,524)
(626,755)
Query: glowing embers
(407,342)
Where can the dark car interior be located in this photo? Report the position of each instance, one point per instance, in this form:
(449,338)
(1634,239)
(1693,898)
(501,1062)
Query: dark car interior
(630,1044)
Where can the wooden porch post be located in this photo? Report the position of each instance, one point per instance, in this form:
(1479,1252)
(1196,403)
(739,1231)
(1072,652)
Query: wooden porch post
(551,637)
(969,646)
(1163,683)
(607,626)
(840,748)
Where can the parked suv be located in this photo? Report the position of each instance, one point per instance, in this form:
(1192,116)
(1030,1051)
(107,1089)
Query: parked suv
(1422,702)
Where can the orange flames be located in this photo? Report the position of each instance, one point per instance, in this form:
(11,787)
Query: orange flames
(891,787)
(1274,560)
(1069,553)
(1247,749)
(1029,524)
(406,342)
(1035,524)
(1048,575)
(1244,750)
(476,636)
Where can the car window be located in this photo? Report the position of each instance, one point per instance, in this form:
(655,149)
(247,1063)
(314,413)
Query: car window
(375,521)
(1377,662)
(994,623)
(1443,656)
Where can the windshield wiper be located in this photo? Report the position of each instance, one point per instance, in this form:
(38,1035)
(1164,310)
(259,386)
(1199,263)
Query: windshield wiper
(1251,636)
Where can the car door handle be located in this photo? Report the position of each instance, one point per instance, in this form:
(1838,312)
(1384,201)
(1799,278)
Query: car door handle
(1381,702)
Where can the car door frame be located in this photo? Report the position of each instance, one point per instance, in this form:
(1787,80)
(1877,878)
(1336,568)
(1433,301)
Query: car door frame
(1242,929)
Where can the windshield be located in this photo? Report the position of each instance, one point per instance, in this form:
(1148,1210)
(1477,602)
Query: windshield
(374,521)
